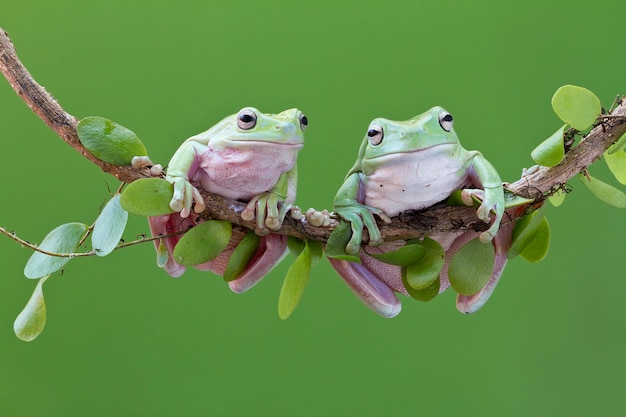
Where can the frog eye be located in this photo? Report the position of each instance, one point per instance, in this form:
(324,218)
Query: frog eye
(304,122)
(445,121)
(246,119)
(375,134)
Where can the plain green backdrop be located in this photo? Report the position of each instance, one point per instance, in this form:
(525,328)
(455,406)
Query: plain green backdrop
(125,339)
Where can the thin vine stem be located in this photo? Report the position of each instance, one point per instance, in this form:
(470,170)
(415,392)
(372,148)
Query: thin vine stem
(439,218)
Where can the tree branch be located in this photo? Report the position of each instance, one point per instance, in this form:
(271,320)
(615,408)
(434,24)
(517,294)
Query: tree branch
(439,218)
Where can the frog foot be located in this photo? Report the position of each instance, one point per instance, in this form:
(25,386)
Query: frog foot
(318,218)
(268,209)
(489,204)
(139,162)
(184,196)
(361,216)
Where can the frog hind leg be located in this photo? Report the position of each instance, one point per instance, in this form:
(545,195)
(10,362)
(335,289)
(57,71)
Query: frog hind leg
(368,287)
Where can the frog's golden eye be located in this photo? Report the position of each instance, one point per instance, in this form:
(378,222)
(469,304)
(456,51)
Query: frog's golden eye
(445,121)
(375,134)
(246,119)
(304,121)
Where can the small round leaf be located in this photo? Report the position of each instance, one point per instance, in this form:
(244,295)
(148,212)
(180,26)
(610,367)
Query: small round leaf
(470,268)
(294,283)
(551,151)
(424,272)
(605,192)
(32,319)
(616,161)
(404,256)
(63,239)
(109,227)
(576,106)
(203,242)
(148,197)
(425,294)
(537,248)
(108,141)
(337,241)
(242,255)
(524,231)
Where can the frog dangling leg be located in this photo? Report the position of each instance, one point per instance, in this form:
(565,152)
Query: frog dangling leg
(373,292)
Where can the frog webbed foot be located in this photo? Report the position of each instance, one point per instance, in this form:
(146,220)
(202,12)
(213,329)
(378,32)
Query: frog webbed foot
(362,216)
(185,194)
(491,201)
(317,218)
(269,210)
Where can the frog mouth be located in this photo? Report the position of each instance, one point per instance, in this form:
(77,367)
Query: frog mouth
(399,154)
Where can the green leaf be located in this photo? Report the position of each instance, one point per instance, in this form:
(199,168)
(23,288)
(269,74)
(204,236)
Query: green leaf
(148,197)
(32,319)
(420,275)
(470,268)
(551,151)
(108,141)
(605,192)
(620,145)
(616,161)
(425,294)
(295,245)
(337,241)
(203,242)
(242,255)
(109,227)
(537,248)
(524,231)
(576,106)
(404,256)
(294,283)
(63,239)
(513,200)
(317,251)
(557,198)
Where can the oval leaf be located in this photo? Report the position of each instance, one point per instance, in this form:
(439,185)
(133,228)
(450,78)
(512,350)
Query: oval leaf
(337,241)
(317,251)
(242,255)
(294,283)
(425,294)
(62,240)
(470,268)
(576,106)
(537,248)
(108,141)
(404,256)
(557,198)
(203,242)
(616,161)
(32,319)
(109,226)
(148,197)
(605,192)
(551,151)
(423,273)
(524,231)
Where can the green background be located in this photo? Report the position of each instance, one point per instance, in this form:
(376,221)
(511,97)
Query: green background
(123,338)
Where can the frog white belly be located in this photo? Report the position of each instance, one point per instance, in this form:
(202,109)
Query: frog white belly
(404,181)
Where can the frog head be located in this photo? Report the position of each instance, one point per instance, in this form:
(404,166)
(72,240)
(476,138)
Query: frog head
(252,128)
(428,134)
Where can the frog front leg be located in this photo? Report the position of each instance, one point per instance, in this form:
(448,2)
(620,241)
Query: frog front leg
(491,196)
(181,168)
(270,208)
(348,205)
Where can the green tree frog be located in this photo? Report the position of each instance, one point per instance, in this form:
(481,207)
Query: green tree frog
(248,156)
(412,165)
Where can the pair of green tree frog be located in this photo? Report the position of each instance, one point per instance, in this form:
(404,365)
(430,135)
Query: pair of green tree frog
(409,165)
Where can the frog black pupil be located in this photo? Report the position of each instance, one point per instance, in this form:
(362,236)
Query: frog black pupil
(447,118)
(372,132)
(246,118)
(304,121)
